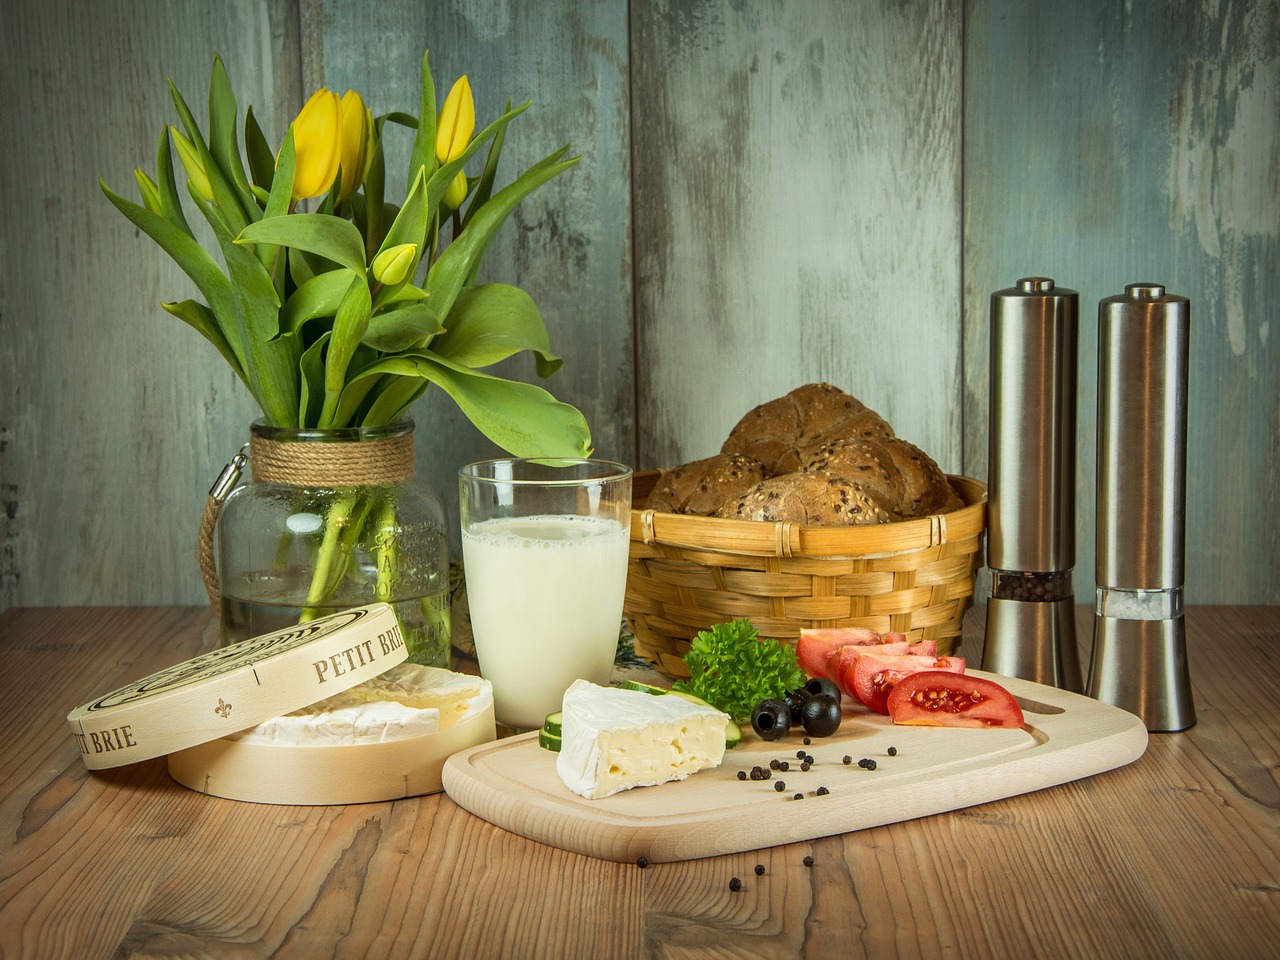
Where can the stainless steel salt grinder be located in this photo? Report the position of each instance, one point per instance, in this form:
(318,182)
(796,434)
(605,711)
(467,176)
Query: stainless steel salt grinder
(1031,627)
(1139,642)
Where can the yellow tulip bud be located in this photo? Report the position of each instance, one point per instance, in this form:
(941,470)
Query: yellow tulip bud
(356,126)
(456,192)
(191,163)
(149,192)
(315,144)
(457,122)
(392,265)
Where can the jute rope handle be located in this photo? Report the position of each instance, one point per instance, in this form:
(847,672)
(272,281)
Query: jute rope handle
(300,464)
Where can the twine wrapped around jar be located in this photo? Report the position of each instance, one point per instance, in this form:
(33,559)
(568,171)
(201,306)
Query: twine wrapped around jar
(342,461)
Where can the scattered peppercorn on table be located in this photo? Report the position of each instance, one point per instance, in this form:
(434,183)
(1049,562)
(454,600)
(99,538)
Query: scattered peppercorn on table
(1175,854)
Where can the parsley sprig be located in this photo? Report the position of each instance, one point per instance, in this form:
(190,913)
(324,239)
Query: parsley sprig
(733,668)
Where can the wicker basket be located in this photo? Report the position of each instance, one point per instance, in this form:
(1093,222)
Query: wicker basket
(687,573)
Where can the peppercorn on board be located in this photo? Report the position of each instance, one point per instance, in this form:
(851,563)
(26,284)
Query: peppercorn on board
(513,783)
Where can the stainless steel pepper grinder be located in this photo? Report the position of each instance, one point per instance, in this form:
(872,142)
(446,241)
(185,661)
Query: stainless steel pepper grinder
(1031,627)
(1139,642)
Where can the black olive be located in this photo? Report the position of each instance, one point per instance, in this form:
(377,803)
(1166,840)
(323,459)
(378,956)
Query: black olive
(822,715)
(795,701)
(771,719)
(819,685)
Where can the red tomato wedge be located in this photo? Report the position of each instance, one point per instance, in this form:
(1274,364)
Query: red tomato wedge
(841,660)
(873,676)
(815,646)
(934,698)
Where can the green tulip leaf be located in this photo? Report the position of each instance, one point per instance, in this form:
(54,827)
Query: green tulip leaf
(222,137)
(311,381)
(410,224)
(394,399)
(484,188)
(523,419)
(375,183)
(167,186)
(271,364)
(349,326)
(328,236)
(492,322)
(201,318)
(447,275)
(262,163)
(401,328)
(423,155)
(225,200)
(318,297)
(194,261)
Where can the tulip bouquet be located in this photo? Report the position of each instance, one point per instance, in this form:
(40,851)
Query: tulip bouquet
(344,315)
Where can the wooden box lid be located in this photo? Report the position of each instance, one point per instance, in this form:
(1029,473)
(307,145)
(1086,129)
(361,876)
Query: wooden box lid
(238,686)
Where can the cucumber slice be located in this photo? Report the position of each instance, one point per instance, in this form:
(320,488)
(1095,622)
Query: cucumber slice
(548,741)
(554,723)
(549,735)
(640,687)
(732,735)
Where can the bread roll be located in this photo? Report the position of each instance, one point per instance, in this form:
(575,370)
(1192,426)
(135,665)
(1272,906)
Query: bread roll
(866,463)
(702,486)
(813,499)
(775,432)
(925,490)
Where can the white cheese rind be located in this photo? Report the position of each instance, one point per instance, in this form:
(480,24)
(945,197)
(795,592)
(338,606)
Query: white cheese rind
(409,700)
(615,739)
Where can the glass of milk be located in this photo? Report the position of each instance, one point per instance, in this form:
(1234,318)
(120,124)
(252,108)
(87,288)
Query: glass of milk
(544,547)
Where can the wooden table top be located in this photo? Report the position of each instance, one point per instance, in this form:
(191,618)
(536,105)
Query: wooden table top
(1175,855)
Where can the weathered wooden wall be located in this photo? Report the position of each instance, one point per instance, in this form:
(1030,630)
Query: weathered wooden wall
(771,193)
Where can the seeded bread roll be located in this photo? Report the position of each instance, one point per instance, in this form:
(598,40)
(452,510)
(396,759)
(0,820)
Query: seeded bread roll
(867,463)
(925,490)
(813,499)
(775,432)
(702,486)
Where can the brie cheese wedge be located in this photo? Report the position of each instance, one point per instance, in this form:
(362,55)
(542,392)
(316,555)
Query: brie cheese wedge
(615,739)
(409,700)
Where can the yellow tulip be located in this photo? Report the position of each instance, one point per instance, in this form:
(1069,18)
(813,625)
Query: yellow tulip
(315,144)
(392,265)
(191,163)
(356,126)
(457,122)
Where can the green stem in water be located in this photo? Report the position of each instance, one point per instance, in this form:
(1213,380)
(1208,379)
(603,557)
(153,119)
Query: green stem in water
(342,526)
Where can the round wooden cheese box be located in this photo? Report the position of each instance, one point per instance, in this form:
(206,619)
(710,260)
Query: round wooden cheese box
(325,712)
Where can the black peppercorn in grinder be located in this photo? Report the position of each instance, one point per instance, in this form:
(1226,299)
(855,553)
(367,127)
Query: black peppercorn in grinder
(1031,484)
(1139,644)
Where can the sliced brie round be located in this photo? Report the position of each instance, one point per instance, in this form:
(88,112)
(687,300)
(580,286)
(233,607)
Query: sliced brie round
(409,700)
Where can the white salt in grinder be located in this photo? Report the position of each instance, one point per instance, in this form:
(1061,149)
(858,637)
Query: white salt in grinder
(1139,643)
(1031,487)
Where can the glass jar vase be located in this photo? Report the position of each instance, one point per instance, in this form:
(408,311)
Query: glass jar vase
(334,519)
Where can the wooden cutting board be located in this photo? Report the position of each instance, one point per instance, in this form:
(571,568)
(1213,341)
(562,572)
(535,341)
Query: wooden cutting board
(513,783)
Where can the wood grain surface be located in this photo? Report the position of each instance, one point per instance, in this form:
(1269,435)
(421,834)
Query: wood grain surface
(771,193)
(1176,854)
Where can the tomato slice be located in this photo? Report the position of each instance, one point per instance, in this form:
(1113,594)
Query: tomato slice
(873,675)
(934,698)
(841,660)
(816,645)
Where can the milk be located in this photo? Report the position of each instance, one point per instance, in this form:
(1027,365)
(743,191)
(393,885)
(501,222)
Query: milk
(545,594)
